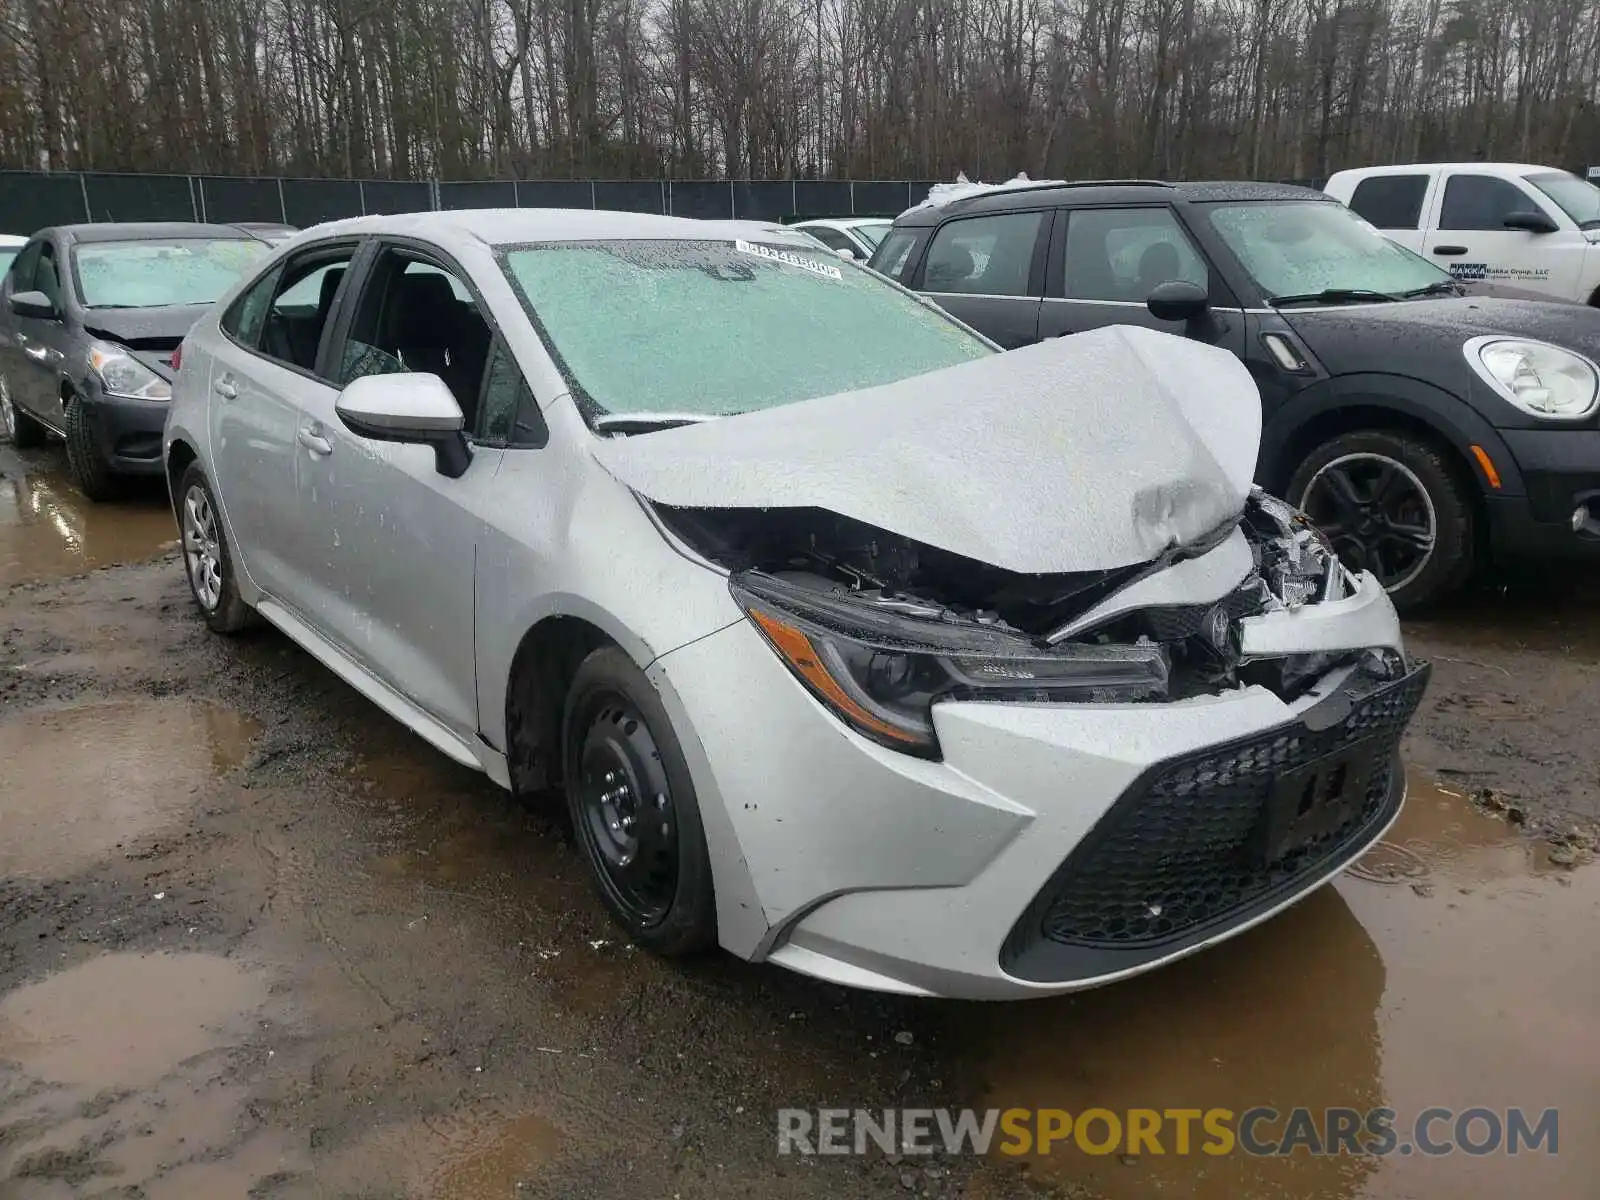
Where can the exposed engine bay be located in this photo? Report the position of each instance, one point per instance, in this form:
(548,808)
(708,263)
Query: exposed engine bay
(910,593)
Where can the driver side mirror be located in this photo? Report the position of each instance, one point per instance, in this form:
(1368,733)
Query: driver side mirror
(33,304)
(417,409)
(1530,221)
(1177,300)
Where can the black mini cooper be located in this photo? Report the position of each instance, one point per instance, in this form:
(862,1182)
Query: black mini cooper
(1424,430)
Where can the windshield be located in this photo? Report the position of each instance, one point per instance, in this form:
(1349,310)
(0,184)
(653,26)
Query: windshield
(873,232)
(161,271)
(1302,247)
(721,327)
(1578,198)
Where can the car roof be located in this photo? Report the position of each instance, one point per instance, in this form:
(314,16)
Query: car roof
(843,222)
(1104,191)
(1505,168)
(512,226)
(132,231)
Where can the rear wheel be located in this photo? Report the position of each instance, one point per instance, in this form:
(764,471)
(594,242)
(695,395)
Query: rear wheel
(207,560)
(633,807)
(90,471)
(17,427)
(1391,503)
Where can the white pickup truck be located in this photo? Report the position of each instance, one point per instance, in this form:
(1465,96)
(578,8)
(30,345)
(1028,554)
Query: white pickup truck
(1535,229)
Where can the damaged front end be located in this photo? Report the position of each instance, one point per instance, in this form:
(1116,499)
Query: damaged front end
(880,627)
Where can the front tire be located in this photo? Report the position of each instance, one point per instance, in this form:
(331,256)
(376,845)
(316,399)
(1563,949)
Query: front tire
(634,813)
(90,471)
(207,558)
(1392,503)
(16,426)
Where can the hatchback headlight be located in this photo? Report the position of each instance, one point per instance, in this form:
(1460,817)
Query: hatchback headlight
(1542,380)
(881,673)
(123,375)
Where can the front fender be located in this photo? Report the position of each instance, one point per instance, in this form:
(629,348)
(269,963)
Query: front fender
(1411,400)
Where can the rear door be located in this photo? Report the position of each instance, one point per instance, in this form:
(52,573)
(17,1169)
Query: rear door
(1105,262)
(988,271)
(263,375)
(1472,243)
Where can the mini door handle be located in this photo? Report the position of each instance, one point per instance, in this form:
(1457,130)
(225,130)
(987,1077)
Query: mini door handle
(224,388)
(1449,250)
(315,442)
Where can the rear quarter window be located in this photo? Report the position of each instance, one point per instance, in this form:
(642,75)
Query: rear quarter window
(1390,201)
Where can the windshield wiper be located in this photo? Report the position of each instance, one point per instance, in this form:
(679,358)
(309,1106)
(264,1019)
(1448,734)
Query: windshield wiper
(1444,287)
(645,422)
(1331,296)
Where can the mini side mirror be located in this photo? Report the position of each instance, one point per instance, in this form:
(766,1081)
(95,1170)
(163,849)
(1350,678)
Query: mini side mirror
(33,304)
(1530,221)
(418,409)
(1177,300)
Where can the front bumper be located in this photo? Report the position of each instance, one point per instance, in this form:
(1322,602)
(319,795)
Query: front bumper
(1561,473)
(1018,864)
(127,432)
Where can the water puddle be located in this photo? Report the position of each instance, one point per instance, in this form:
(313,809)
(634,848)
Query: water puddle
(81,781)
(1455,967)
(467,1155)
(49,531)
(126,1058)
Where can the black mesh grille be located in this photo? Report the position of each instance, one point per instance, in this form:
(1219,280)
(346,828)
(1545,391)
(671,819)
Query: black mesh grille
(1183,850)
(1176,622)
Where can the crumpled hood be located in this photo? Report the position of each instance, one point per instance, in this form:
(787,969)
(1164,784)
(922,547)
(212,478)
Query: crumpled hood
(1083,453)
(138,324)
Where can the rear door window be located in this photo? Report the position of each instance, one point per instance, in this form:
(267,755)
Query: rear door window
(984,256)
(307,291)
(1390,201)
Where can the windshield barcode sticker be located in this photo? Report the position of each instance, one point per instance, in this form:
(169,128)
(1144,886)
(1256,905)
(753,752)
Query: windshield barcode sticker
(790,258)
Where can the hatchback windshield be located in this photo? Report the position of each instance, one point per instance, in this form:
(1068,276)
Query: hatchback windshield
(161,272)
(1299,248)
(1578,198)
(713,328)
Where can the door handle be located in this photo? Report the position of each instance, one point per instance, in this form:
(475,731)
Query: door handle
(1449,250)
(224,387)
(314,442)
(37,353)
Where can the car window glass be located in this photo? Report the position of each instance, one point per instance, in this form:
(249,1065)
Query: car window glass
(873,232)
(831,238)
(890,256)
(1390,201)
(511,416)
(415,316)
(47,277)
(309,285)
(161,272)
(7,257)
(22,271)
(1481,202)
(1125,253)
(247,316)
(990,256)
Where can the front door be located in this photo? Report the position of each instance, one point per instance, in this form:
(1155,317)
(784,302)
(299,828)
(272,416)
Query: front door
(1473,244)
(36,355)
(395,541)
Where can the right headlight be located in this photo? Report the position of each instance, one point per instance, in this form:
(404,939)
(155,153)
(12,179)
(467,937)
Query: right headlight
(1542,380)
(881,674)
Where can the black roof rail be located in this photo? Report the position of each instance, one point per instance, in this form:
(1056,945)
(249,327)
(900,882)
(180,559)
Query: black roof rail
(1045,185)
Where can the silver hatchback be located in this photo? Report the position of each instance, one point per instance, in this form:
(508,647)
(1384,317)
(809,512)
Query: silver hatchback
(848,642)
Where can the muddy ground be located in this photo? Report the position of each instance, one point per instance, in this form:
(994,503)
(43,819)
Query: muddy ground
(256,940)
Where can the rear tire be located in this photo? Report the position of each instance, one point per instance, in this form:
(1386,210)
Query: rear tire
(16,426)
(1377,495)
(207,557)
(90,471)
(634,813)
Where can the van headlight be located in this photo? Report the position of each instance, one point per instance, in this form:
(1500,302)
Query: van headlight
(1542,380)
(881,674)
(123,375)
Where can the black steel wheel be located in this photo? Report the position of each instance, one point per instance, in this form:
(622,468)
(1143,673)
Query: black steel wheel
(1391,504)
(633,807)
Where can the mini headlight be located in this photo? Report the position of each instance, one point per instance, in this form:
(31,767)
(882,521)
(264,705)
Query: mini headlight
(123,375)
(1542,380)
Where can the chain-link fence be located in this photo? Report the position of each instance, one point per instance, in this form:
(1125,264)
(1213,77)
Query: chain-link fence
(31,200)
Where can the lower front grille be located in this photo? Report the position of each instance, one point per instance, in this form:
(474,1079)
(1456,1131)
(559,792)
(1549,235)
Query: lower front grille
(1198,843)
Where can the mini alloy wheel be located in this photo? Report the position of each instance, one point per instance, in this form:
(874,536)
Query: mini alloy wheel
(1377,513)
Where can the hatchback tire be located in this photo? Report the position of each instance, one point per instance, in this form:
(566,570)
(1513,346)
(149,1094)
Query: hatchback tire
(16,426)
(1392,503)
(207,558)
(90,471)
(632,803)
